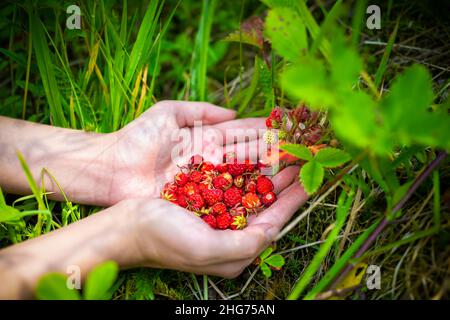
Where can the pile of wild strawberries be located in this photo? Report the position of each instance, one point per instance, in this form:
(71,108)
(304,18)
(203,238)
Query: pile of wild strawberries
(224,194)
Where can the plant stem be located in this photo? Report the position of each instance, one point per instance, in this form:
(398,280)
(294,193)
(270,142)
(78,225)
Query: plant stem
(386,221)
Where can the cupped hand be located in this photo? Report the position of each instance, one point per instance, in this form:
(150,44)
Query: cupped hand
(146,152)
(168,236)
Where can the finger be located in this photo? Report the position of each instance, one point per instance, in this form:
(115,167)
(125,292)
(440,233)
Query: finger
(284,178)
(246,150)
(242,129)
(234,245)
(288,202)
(188,112)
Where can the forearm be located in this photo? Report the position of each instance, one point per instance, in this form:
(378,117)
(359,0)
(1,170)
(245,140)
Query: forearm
(103,236)
(79,161)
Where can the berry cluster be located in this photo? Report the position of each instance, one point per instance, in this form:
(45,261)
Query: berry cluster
(303,126)
(223,195)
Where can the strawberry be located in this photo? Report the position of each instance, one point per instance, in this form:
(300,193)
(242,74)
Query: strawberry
(232,197)
(236,169)
(238,222)
(250,186)
(203,185)
(264,184)
(251,201)
(268,198)
(219,208)
(181,179)
(170,186)
(190,189)
(223,221)
(182,200)
(211,220)
(221,182)
(212,196)
(239,181)
(207,167)
(196,159)
(222,167)
(269,123)
(195,176)
(237,211)
(169,196)
(276,114)
(196,202)
(249,167)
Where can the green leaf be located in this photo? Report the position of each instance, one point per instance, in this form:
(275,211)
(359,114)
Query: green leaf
(287,33)
(53,286)
(332,157)
(100,280)
(406,115)
(308,81)
(266,253)
(265,270)
(46,70)
(311,176)
(298,150)
(275,260)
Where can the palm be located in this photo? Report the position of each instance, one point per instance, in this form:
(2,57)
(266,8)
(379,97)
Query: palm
(201,249)
(146,151)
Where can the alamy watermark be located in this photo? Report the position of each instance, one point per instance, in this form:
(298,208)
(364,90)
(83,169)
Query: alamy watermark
(374,20)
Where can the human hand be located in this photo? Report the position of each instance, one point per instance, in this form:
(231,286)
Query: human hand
(143,156)
(168,236)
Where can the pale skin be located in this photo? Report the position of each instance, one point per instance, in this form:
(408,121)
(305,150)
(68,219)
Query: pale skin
(124,171)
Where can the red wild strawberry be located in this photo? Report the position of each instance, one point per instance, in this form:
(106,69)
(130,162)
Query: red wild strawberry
(182,200)
(212,196)
(222,167)
(207,167)
(232,197)
(224,221)
(181,179)
(204,185)
(220,183)
(239,222)
(169,196)
(236,169)
(276,114)
(190,189)
(238,211)
(239,181)
(196,159)
(211,220)
(195,176)
(264,185)
(251,201)
(250,186)
(170,186)
(219,208)
(249,167)
(268,198)
(196,202)
(269,123)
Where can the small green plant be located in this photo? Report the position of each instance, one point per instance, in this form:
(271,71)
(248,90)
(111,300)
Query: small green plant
(269,261)
(312,172)
(98,285)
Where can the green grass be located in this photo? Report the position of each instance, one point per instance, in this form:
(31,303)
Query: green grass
(130,54)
